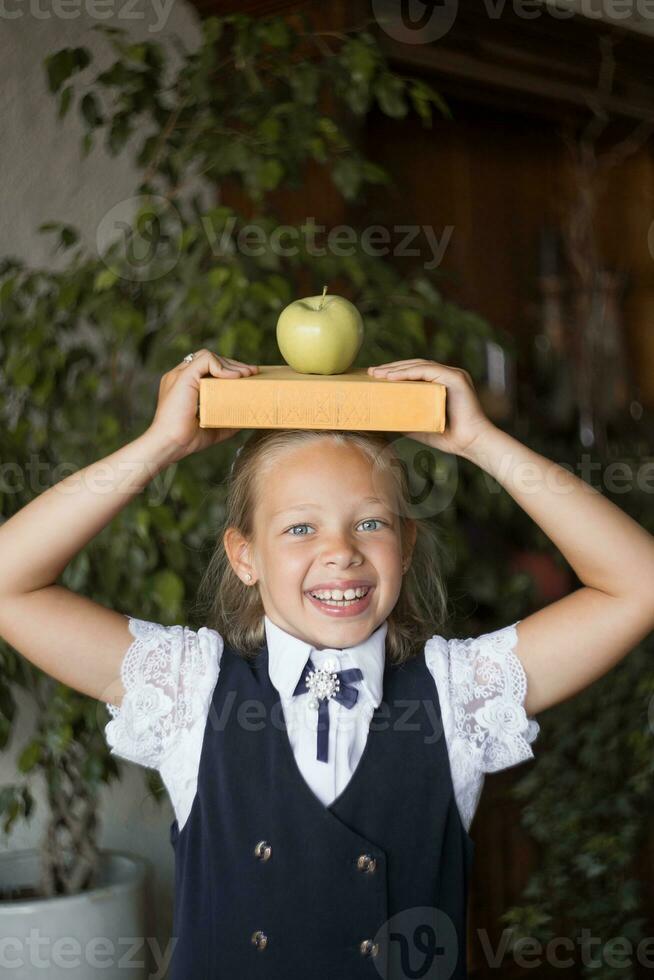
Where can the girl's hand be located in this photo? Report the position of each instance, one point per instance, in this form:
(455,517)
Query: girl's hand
(175,422)
(465,418)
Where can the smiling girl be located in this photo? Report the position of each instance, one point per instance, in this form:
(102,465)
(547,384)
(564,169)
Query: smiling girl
(324,747)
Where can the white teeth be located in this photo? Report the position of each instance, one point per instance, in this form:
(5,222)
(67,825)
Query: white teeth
(337,595)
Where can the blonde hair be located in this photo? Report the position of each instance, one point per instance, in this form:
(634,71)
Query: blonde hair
(236,610)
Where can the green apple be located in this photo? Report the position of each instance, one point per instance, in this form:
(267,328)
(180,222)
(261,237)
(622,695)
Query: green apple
(320,334)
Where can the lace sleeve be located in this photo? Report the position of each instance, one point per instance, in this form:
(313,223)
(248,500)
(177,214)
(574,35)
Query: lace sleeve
(169,673)
(482,686)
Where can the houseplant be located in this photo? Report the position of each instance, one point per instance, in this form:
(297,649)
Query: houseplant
(83,347)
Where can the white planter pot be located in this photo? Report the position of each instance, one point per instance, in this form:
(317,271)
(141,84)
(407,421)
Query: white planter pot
(96,933)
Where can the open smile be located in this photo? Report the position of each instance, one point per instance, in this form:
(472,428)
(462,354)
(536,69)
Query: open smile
(343,607)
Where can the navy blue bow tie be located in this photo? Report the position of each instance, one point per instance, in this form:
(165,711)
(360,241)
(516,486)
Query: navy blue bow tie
(322,685)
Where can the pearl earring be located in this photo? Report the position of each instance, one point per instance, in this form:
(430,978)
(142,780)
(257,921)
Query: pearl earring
(249,577)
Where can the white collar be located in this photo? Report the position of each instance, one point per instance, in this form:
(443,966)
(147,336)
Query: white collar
(287,657)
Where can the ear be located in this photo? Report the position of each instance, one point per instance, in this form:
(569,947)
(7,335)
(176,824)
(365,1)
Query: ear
(239,553)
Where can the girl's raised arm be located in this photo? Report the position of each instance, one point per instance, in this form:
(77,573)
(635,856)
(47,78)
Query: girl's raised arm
(574,641)
(72,638)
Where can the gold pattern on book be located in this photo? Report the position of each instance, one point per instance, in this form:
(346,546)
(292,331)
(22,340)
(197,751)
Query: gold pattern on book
(343,407)
(289,410)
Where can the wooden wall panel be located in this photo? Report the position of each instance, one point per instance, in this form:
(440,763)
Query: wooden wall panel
(498,178)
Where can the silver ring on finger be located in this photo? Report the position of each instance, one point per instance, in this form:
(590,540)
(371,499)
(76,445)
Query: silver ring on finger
(189,358)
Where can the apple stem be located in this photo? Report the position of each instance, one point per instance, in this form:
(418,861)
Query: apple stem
(324,290)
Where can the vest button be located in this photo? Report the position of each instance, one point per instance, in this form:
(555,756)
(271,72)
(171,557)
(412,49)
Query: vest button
(366,862)
(368,948)
(259,939)
(263,850)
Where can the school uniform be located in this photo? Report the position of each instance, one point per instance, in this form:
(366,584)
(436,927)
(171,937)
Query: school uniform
(321,828)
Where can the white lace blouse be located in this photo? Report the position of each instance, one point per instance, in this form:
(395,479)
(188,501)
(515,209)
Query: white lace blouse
(169,674)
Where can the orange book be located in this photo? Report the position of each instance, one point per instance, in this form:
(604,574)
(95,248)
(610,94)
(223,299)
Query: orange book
(277,397)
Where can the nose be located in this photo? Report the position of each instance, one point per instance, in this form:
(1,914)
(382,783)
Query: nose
(341,550)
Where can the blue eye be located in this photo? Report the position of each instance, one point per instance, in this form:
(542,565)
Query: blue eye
(297,535)
(370,520)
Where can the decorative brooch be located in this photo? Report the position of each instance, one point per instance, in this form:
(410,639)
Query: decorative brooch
(322,684)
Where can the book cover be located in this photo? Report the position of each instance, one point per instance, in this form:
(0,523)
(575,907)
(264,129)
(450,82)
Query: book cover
(277,397)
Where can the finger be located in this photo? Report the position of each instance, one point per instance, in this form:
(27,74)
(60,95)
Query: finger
(233,360)
(419,372)
(204,350)
(424,366)
(206,360)
(387,364)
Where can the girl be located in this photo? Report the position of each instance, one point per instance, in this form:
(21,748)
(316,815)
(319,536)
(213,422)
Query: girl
(321,821)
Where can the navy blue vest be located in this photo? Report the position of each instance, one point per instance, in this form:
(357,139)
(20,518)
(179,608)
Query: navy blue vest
(270,883)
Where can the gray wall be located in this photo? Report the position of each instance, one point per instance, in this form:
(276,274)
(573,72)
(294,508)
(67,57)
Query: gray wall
(44,178)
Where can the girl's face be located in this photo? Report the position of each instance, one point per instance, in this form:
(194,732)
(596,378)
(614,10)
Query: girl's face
(325,520)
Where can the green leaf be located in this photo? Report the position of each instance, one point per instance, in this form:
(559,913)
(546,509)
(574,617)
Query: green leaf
(218,276)
(137,52)
(317,149)
(347,175)
(305,80)
(375,174)
(118,133)
(110,31)
(24,374)
(329,129)
(105,279)
(143,523)
(64,101)
(87,144)
(90,110)
(30,756)
(269,174)
(69,236)
(212,29)
(59,738)
(422,97)
(390,94)
(147,151)
(358,99)
(360,59)
(116,76)
(276,33)
(64,63)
